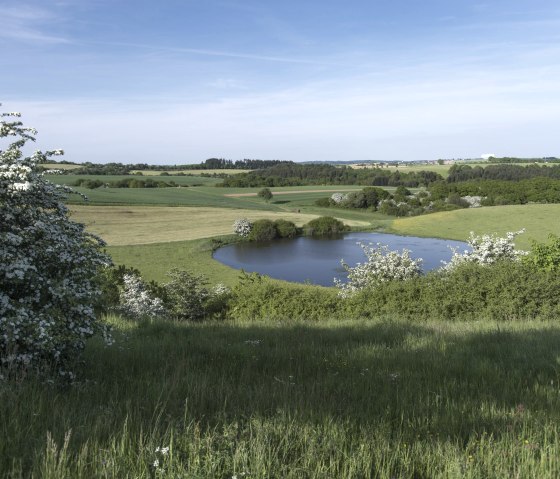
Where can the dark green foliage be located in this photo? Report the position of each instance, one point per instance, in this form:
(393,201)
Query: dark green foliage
(263,230)
(186,295)
(295,174)
(88,183)
(324,226)
(265,194)
(374,195)
(323,202)
(501,292)
(455,199)
(401,193)
(545,257)
(285,229)
(501,192)
(502,172)
(257,297)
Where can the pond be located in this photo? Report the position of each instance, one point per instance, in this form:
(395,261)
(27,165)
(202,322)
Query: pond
(317,260)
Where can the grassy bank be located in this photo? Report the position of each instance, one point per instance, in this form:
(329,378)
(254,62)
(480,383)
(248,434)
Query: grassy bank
(340,399)
(539,220)
(155,260)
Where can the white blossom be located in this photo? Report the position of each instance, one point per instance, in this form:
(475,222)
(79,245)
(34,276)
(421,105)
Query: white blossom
(487,249)
(242,227)
(47,264)
(338,198)
(136,301)
(382,265)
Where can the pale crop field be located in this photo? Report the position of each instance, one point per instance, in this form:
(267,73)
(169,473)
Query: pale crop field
(538,220)
(134,225)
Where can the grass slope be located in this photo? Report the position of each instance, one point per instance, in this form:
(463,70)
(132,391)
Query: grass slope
(538,220)
(340,399)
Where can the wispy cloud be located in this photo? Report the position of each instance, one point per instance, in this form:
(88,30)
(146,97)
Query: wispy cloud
(29,23)
(218,53)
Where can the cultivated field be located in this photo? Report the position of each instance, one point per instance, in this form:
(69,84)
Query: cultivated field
(131,225)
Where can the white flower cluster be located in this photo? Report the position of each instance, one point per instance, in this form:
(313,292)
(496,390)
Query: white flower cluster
(47,265)
(487,249)
(242,227)
(136,301)
(382,265)
(473,201)
(338,198)
(220,289)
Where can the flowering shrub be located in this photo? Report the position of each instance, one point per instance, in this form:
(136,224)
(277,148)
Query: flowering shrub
(47,264)
(338,198)
(487,249)
(186,295)
(242,227)
(382,265)
(136,300)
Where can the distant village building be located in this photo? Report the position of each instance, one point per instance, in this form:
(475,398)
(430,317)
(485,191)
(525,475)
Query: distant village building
(487,156)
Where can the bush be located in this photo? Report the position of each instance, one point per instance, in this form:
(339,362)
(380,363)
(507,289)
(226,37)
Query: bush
(545,257)
(242,227)
(136,301)
(504,292)
(324,226)
(48,265)
(186,295)
(285,229)
(324,202)
(382,265)
(265,194)
(263,230)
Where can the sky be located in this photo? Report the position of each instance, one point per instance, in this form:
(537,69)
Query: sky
(180,81)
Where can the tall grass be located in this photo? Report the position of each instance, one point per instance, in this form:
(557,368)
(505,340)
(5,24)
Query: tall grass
(340,399)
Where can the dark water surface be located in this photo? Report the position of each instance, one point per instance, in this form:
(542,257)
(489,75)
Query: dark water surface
(317,260)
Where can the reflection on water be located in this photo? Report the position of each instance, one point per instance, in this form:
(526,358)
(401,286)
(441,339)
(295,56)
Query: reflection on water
(317,260)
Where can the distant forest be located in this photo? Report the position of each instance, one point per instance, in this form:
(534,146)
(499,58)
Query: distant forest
(209,164)
(297,174)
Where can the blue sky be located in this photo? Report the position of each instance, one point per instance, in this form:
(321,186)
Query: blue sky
(180,81)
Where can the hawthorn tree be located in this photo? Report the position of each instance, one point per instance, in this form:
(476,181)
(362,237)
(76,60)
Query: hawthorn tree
(48,264)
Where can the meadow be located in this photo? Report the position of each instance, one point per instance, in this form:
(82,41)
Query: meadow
(334,399)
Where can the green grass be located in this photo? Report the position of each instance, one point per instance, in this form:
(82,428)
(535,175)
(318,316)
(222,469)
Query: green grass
(538,220)
(180,180)
(155,260)
(340,399)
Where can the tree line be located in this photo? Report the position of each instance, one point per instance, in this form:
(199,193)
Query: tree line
(297,174)
(506,172)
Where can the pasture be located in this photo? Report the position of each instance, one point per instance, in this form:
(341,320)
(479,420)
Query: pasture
(538,220)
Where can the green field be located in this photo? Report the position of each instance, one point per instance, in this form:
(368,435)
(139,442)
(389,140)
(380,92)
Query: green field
(180,180)
(538,220)
(338,399)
